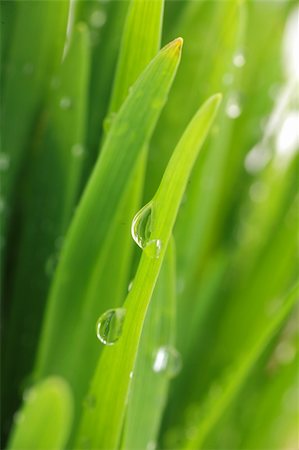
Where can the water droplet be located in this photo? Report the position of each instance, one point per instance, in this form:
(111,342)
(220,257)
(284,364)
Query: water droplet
(28,68)
(153,248)
(90,401)
(285,352)
(109,325)
(131,374)
(109,121)
(77,150)
(55,83)
(152,445)
(167,360)
(29,395)
(239,59)
(130,285)
(4,162)
(141,226)
(51,264)
(98,18)
(65,103)
(233,109)
(18,417)
(256,159)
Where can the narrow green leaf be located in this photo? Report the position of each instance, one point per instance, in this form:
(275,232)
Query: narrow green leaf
(95,217)
(138,46)
(45,418)
(240,371)
(149,389)
(102,424)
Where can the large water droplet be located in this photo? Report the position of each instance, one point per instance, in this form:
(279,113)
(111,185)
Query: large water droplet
(109,325)
(168,361)
(141,226)
(65,103)
(153,248)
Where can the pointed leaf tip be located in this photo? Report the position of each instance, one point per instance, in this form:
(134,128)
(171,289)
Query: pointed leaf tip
(175,45)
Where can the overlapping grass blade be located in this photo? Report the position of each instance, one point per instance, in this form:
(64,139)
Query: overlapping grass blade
(149,389)
(240,370)
(35,59)
(54,177)
(102,424)
(95,217)
(45,418)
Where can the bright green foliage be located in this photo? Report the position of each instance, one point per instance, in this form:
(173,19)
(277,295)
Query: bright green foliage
(100,122)
(49,407)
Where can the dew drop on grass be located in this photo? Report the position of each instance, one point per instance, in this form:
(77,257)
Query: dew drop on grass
(77,150)
(131,374)
(109,325)
(130,286)
(141,232)
(233,108)
(65,103)
(4,162)
(168,361)
(98,18)
(239,59)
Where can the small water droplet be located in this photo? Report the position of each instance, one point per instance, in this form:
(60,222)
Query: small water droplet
(77,150)
(98,18)
(90,401)
(28,68)
(130,285)
(233,108)
(4,162)
(109,121)
(109,325)
(239,59)
(153,248)
(167,360)
(65,103)
(141,226)
(131,374)
(51,264)
(152,445)
(55,83)
(29,395)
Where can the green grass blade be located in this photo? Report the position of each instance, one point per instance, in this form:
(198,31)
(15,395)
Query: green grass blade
(59,156)
(102,424)
(148,391)
(45,418)
(137,46)
(240,371)
(35,59)
(94,219)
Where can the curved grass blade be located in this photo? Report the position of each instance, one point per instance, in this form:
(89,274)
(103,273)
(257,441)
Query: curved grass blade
(240,371)
(85,245)
(102,424)
(149,389)
(45,418)
(140,42)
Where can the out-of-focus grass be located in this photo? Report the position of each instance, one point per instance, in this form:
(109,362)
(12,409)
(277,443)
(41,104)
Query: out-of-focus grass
(89,126)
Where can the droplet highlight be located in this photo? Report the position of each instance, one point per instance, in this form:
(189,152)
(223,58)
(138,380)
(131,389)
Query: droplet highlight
(77,150)
(153,248)
(98,18)
(239,59)
(233,108)
(167,361)
(65,103)
(109,326)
